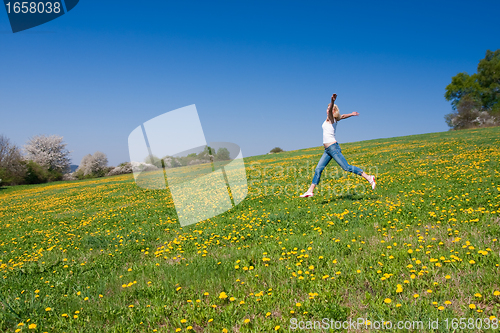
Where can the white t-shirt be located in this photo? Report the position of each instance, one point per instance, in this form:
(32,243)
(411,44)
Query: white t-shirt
(329,131)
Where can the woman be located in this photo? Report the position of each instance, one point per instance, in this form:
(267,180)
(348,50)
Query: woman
(332,148)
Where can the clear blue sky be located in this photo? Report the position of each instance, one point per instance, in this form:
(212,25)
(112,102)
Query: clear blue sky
(260,72)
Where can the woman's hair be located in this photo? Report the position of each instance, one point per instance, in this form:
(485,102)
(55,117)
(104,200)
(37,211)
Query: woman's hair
(335,114)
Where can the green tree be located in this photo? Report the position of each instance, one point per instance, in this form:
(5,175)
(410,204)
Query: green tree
(483,87)
(488,72)
(222,154)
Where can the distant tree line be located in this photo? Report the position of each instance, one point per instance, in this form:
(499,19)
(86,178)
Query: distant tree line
(46,159)
(208,155)
(475,98)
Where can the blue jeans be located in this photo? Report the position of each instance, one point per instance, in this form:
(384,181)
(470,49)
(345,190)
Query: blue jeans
(333,151)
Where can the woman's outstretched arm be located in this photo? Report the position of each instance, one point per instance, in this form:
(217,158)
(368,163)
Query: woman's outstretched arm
(344,116)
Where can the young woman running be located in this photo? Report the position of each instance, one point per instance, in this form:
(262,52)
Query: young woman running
(332,148)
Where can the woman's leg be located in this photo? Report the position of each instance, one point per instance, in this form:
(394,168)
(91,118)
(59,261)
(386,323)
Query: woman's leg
(336,154)
(323,161)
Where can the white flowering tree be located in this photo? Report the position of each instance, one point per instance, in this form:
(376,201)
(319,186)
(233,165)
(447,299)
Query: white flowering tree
(84,167)
(48,151)
(93,164)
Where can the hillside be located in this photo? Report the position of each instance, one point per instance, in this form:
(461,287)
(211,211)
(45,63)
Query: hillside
(103,255)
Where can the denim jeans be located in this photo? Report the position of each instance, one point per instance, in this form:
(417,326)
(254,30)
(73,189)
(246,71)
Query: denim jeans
(333,151)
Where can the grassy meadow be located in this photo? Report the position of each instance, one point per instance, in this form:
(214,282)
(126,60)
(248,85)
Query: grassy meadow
(104,255)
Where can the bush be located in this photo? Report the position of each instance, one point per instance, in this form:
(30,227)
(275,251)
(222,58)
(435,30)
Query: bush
(121,169)
(222,154)
(69,176)
(276,150)
(469,114)
(142,167)
(154,160)
(38,174)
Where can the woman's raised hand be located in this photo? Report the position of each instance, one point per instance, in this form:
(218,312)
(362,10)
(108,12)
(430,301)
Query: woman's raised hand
(334,97)
(355,113)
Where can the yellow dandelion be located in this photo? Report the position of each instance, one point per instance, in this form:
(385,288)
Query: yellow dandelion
(387,300)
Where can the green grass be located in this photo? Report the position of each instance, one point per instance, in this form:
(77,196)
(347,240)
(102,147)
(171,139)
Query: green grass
(114,256)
